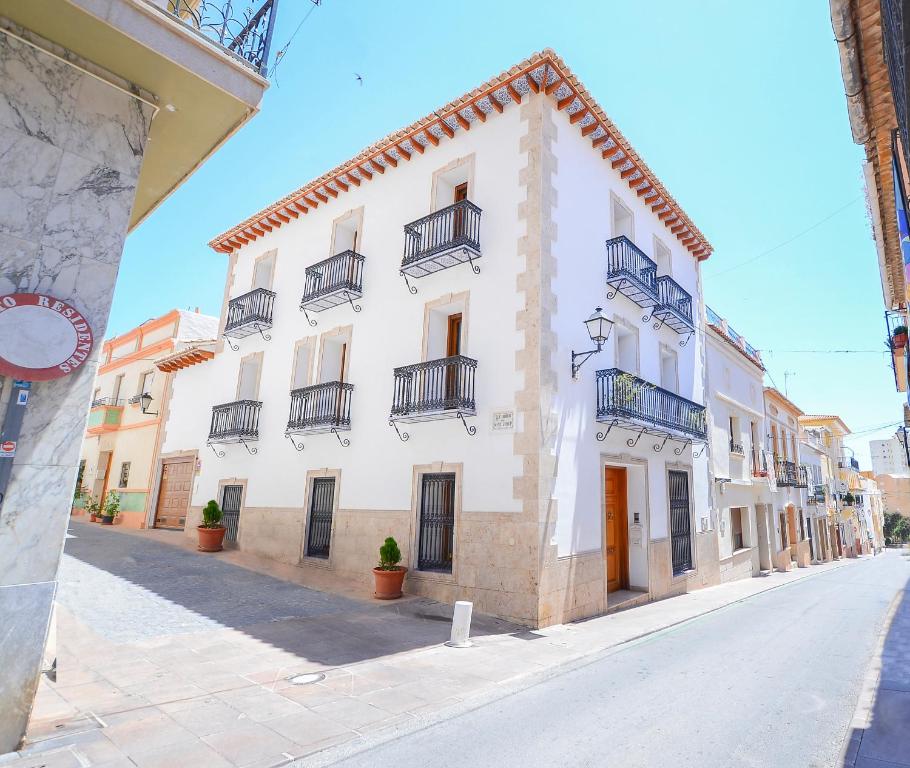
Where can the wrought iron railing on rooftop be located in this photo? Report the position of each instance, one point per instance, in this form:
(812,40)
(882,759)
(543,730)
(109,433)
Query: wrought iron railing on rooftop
(243,28)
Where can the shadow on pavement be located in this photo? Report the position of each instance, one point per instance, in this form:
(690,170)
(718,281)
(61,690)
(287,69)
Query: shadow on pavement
(321,627)
(885,741)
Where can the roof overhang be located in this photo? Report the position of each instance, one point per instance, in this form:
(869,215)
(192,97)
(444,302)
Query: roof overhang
(203,92)
(186,357)
(544,72)
(834,423)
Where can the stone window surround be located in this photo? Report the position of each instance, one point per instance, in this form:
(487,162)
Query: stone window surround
(258,356)
(345,332)
(693,528)
(225,300)
(449,298)
(242,482)
(418,471)
(624,461)
(319,562)
(355,214)
(466,160)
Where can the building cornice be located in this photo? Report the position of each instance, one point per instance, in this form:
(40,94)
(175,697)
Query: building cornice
(543,72)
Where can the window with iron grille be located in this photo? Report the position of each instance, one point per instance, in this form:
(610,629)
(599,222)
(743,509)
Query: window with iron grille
(124,474)
(680,522)
(319,525)
(231,496)
(436,541)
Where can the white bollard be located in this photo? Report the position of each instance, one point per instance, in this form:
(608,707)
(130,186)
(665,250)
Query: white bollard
(461,625)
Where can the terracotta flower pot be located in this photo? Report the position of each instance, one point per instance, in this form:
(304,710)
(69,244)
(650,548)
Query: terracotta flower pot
(93,518)
(210,539)
(899,341)
(388,583)
(107,519)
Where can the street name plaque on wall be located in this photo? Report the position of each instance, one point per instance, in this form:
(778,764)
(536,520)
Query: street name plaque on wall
(41,338)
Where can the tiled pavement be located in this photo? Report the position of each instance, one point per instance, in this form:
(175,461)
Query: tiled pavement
(167,657)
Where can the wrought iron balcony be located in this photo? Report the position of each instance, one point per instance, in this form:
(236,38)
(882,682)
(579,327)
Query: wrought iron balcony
(630,272)
(110,402)
(240,27)
(320,408)
(250,313)
(759,464)
(332,282)
(789,473)
(737,449)
(674,306)
(236,422)
(628,400)
(848,462)
(441,240)
(435,389)
(817,496)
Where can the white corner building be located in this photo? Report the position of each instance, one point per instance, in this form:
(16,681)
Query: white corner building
(405,354)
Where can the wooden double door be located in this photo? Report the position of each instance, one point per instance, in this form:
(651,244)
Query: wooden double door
(616,527)
(174,493)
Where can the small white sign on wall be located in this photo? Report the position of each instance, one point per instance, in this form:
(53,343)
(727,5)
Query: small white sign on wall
(503,421)
(635,535)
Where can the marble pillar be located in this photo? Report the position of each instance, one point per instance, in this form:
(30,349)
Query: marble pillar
(71,146)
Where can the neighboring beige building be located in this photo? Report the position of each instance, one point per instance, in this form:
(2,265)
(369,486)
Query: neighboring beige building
(123,434)
(895,493)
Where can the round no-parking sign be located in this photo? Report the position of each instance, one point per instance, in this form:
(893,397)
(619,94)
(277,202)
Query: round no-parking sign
(41,338)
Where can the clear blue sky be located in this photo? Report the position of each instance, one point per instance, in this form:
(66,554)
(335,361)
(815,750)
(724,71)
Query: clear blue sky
(738,107)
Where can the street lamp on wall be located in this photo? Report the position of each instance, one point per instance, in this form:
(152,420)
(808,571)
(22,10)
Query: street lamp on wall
(145,400)
(599,327)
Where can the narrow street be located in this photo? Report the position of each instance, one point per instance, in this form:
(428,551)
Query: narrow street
(771,681)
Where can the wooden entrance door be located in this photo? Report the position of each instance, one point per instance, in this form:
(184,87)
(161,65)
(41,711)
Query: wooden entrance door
(102,476)
(791,531)
(174,494)
(616,526)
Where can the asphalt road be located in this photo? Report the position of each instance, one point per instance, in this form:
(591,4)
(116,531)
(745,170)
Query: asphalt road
(772,682)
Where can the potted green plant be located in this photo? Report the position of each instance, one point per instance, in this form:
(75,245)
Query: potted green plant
(211,531)
(899,337)
(111,508)
(92,507)
(388,575)
(849,499)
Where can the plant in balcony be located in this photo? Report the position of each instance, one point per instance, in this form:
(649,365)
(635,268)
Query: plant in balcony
(211,531)
(388,575)
(849,499)
(899,337)
(111,508)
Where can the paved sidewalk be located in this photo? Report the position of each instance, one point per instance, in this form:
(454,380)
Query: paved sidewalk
(167,657)
(880,732)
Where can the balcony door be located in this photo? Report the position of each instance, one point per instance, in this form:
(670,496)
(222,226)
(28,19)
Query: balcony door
(248,379)
(461,193)
(453,348)
(616,527)
(262,272)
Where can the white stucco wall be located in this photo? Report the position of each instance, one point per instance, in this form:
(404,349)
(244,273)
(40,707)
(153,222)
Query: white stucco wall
(376,470)
(584,184)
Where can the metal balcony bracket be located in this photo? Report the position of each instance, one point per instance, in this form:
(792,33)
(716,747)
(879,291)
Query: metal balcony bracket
(470,429)
(252,450)
(262,333)
(659,447)
(661,320)
(230,343)
(700,451)
(219,454)
(646,318)
(614,289)
(601,436)
(344,442)
(355,307)
(678,451)
(403,436)
(632,443)
(411,288)
(307,316)
(686,340)
(298,446)
(474,268)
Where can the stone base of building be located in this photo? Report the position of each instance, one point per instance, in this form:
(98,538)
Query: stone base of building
(742,564)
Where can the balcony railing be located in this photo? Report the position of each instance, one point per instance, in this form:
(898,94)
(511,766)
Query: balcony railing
(443,239)
(434,389)
(737,449)
(320,408)
(790,473)
(848,462)
(674,306)
(630,272)
(332,282)
(110,402)
(235,422)
(817,496)
(243,28)
(249,313)
(624,397)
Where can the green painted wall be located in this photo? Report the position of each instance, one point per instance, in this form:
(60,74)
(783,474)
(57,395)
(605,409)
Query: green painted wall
(133,501)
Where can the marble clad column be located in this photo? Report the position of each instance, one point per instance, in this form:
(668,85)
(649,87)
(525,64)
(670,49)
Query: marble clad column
(71,148)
